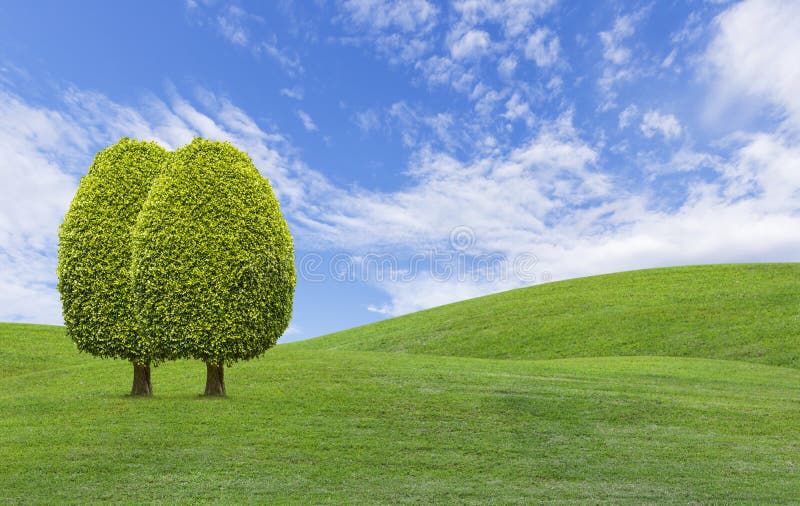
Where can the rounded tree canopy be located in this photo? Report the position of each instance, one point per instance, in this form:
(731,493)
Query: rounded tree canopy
(94,255)
(213,260)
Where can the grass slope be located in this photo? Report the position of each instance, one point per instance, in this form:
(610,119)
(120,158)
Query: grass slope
(739,312)
(345,427)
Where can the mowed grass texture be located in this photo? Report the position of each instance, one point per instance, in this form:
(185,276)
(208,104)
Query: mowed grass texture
(745,312)
(351,427)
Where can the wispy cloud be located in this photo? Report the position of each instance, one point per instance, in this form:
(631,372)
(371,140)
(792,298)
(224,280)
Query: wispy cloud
(246,30)
(449,47)
(542,47)
(231,24)
(270,48)
(368,120)
(295,92)
(516,18)
(613,48)
(518,109)
(400,30)
(654,122)
(308,123)
(627,115)
(619,64)
(405,15)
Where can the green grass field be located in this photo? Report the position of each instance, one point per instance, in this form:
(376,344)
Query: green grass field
(661,386)
(738,312)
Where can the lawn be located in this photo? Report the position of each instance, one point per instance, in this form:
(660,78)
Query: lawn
(305,424)
(738,312)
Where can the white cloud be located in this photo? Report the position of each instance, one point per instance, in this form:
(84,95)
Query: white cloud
(292,330)
(486,99)
(618,62)
(705,231)
(397,29)
(308,123)
(470,44)
(612,40)
(610,77)
(555,84)
(542,47)
(428,291)
(684,159)
(442,125)
(654,122)
(515,16)
(743,217)
(475,29)
(415,125)
(693,28)
(754,54)
(291,64)
(236,25)
(500,196)
(443,71)
(769,165)
(627,116)
(405,15)
(368,120)
(506,67)
(295,92)
(669,59)
(518,108)
(231,24)
(34,193)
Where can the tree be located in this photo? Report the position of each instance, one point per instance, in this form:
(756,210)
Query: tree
(94,255)
(213,266)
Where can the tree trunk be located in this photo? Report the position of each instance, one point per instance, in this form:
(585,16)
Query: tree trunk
(215,379)
(141,380)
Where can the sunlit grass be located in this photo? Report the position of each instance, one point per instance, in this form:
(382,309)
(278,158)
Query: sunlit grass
(343,427)
(740,312)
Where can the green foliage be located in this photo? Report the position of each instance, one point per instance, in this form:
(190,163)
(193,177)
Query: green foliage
(94,255)
(734,312)
(213,263)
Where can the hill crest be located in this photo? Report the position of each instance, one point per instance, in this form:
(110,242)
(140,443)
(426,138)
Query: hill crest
(747,312)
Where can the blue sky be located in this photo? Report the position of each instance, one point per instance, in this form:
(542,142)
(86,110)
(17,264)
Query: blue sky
(423,152)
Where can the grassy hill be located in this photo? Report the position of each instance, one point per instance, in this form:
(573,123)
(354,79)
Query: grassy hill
(317,423)
(738,312)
